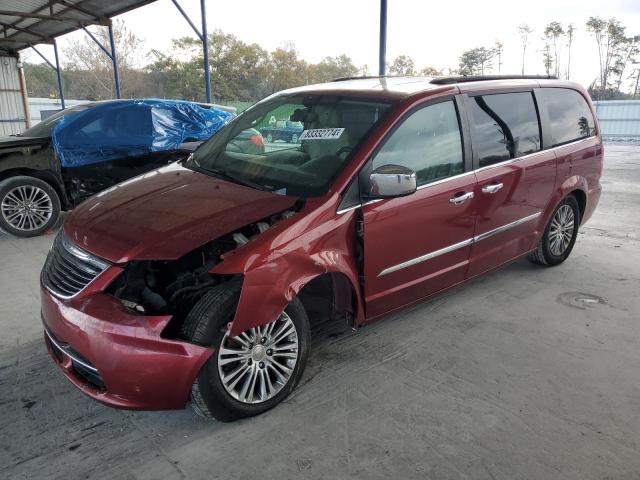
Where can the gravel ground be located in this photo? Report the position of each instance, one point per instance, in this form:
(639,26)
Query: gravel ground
(525,373)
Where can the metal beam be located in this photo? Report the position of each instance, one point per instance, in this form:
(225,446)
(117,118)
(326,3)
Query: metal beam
(205,48)
(56,18)
(80,9)
(111,54)
(383,38)
(56,67)
(7,26)
(186,17)
(203,36)
(114,60)
(97,42)
(58,74)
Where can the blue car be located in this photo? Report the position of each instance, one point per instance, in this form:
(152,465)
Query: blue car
(80,151)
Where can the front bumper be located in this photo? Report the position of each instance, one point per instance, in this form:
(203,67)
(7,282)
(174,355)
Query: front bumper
(119,358)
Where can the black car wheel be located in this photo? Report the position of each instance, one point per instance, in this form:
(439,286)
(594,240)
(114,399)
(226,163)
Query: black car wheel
(28,206)
(269,138)
(560,234)
(294,138)
(249,373)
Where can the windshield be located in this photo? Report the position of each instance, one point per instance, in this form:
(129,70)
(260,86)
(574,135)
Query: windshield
(291,144)
(44,128)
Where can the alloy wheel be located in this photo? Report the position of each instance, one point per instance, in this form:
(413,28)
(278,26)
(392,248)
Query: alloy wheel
(255,365)
(27,207)
(561,230)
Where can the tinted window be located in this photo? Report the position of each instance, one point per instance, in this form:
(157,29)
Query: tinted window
(505,126)
(44,128)
(116,126)
(569,115)
(428,142)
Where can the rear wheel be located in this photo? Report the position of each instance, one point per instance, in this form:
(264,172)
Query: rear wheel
(559,235)
(269,138)
(249,373)
(28,206)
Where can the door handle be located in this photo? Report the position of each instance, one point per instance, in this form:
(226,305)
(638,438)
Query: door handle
(461,197)
(492,188)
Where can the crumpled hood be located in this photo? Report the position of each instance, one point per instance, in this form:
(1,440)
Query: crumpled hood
(165,214)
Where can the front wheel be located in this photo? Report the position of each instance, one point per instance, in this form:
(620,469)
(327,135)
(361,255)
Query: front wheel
(560,234)
(28,206)
(249,373)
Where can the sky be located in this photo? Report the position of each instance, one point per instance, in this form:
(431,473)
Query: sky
(431,33)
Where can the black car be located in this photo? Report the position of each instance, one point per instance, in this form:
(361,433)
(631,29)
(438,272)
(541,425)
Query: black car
(85,149)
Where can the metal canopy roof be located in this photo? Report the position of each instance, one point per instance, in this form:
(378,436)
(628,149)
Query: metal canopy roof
(28,22)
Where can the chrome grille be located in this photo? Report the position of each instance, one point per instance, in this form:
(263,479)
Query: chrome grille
(69,269)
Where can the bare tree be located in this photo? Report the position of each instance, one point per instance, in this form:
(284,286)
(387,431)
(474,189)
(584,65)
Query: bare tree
(629,51)
(552,32)
(96,79)
(498,49)
(570,34)
(547,58)
(524,31)
(610,40)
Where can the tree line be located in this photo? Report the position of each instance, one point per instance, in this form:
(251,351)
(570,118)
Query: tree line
(618,56)
(245,72)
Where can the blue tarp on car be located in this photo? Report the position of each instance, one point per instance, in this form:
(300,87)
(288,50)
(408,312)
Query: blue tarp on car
(130,128)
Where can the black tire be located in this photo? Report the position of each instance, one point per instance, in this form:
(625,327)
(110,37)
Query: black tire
(206,325)
(9,185)
(543,255)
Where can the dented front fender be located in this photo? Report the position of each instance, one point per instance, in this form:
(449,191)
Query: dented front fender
(280,262)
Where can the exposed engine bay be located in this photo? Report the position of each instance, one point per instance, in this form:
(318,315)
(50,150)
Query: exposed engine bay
(161,287)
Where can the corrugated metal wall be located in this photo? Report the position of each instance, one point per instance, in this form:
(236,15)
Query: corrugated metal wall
(619,118)
(12,114)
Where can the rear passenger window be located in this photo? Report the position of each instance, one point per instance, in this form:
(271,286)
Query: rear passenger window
(505,126)
(428,142)
(569,115)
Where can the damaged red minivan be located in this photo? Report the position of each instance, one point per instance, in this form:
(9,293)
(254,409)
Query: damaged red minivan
(197,282)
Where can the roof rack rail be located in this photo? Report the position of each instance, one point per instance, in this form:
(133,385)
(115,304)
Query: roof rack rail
(480,78)
(369,77)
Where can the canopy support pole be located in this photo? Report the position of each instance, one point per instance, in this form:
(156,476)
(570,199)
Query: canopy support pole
(203,36)
(55,67)
(109,53)
(383,38)
(114,60)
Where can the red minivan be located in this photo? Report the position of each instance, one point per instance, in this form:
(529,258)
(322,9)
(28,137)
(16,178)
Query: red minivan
(197,282)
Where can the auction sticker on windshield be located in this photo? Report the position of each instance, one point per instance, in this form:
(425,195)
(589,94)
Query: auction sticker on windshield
(322,134)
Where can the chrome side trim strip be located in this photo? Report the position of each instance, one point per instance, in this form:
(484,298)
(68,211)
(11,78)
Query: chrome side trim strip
(506,227)
(448,179)
(426,257)
(72,357)
(456,246)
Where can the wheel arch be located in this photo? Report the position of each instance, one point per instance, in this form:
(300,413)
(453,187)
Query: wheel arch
(266,291)
(575,185)
(45,176)
(581,197)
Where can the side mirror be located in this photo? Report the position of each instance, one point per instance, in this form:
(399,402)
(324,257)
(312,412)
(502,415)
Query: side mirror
(389,181)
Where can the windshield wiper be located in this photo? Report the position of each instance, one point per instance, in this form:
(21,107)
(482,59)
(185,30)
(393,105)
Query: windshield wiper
(235,179)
